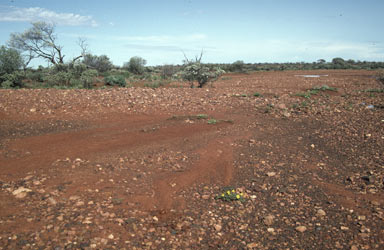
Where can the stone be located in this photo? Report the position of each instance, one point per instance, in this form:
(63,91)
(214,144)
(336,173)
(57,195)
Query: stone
(218,227)
(320,213)
(269,219)
(301,229)
(21,192)
(52,201)
(271,174)
(205,196)
(111,237)
(74,197)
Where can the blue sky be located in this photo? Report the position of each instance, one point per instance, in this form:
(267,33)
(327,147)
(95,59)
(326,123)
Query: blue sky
(249,30)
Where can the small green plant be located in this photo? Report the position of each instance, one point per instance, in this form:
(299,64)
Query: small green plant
(202,116)
(256,94)
(324,88)
(225,78)
(375,90)
(303,94)
(230,194)
(212,121)
(114,80)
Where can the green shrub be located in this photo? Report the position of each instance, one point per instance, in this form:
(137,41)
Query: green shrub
(13,80)
(100,63)
(136,65)
(87,78)
(36,76)
(200,73)
(10,60)
(237,66)
(62,79)
(115,80)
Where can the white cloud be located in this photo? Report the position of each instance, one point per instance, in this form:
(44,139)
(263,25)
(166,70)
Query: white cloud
(14,14)
(162,38)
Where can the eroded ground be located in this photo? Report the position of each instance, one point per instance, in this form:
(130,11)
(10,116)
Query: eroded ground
(140,168)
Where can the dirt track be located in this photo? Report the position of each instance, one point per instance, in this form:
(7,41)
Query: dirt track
(140,168)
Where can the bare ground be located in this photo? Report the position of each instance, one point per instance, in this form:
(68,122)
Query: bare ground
(141,168)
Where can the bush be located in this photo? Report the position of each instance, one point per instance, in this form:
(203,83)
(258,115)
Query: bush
(36,76)
(100,63)
(87,78)
(168,71)
(78,69)
(200,73)
(237,66)
(10,60)
(13,80)
(62,79)
(136,65)
(115,80)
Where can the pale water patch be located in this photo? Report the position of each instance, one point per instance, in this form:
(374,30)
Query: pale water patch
(311,75)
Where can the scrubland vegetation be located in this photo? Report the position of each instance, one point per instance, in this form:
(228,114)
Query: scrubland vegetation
(88,71)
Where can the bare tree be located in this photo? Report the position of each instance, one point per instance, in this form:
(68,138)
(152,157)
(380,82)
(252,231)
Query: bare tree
(82,42)
(40,41)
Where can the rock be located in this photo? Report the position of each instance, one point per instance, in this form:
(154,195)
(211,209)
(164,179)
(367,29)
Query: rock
(79,203)
(111,237)
(286,114)
(205,196)
(252,245)
(74,197)
(344,228)
(218,227)
(281,106)
(320,213)
(270,230)
(32,110)
(52,201)
(269,219)
(271,174)
(21,192)
(301,229)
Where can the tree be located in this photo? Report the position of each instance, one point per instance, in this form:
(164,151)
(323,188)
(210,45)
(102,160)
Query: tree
(100,63)
(10,60)
(237,66)
(40,41)
(321,61)
(136,65)
(196,71)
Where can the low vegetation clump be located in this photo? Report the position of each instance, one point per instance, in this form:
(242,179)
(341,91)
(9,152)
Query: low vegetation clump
(375,90)
(315,90)
(115,80)
(230,194)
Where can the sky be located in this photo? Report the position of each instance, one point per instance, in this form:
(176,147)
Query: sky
(162,31)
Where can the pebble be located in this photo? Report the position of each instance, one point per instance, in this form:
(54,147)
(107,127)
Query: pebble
(270,230)
(320,213)
(205,196)
(271,174)
(52,201)
(301,229)
(111,237)
(268,220)
(218,227)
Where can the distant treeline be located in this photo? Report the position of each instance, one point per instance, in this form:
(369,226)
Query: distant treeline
(336,63)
